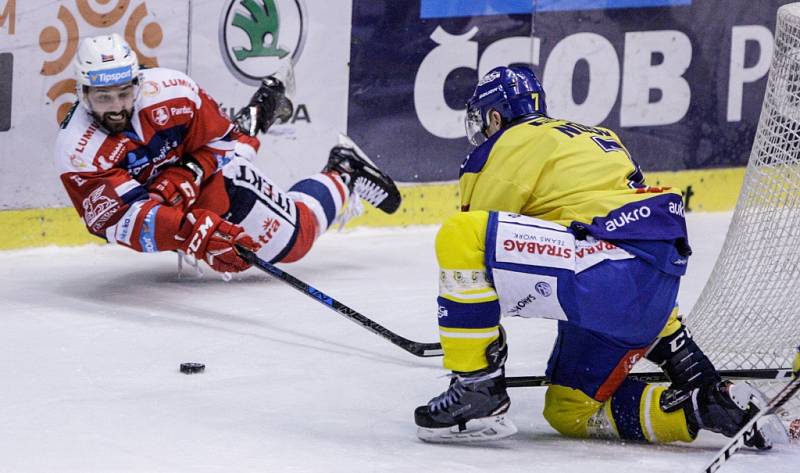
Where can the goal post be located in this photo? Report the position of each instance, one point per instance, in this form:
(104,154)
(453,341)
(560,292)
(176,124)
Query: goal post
(748,315)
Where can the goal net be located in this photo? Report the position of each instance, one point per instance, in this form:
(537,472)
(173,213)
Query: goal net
(748,315)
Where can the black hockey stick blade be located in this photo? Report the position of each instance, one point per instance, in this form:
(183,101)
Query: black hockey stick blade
(659,377)
(415,348)
(746,432)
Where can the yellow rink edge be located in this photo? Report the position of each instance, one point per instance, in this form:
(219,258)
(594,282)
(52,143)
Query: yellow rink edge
(711,190)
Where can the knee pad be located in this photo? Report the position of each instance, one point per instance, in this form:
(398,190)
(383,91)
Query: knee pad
(461,241)
(571,412)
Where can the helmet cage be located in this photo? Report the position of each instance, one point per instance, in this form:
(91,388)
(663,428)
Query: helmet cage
(475,124)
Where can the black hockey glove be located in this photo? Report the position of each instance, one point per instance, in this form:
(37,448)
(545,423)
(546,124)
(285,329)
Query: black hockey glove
(268,105)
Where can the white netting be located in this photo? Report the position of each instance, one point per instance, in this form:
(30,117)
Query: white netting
(748,315)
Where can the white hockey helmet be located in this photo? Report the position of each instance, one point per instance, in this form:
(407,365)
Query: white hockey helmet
(104,61)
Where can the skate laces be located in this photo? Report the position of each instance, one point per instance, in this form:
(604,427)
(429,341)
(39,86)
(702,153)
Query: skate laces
(449,397)
(458,388)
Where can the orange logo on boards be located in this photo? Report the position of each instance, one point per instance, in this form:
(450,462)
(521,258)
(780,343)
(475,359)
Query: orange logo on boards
(8,16)
(111,18)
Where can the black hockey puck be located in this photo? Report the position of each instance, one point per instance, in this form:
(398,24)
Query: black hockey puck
(190,368)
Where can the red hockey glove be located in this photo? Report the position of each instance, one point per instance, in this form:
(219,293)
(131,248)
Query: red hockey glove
(178,186)
(212,239)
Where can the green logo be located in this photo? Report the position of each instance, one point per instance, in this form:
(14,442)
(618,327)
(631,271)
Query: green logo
(257,37)
(261,22)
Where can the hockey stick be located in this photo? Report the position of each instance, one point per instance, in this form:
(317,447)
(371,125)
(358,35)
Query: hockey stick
(750,428)
(415,348)
(659,377)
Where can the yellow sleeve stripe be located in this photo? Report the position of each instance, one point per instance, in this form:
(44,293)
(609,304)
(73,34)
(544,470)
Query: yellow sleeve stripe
(479,290)
(492,332)
(468,293)
(483,296)
(645,413)
(469,330)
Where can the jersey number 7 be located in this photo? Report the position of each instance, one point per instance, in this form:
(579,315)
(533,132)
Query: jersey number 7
(636,177)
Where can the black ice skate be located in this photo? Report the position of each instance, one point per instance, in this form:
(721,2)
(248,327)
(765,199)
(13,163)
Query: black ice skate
(267,105)
(725,407)
(473,408)
(363,177)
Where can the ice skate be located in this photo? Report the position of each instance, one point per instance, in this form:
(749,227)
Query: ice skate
(473,408)
(725,407)
(362,176)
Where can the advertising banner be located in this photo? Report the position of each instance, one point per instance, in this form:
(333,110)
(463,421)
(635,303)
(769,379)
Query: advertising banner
(680,80)
(236,42)
(38,40)
(225,46)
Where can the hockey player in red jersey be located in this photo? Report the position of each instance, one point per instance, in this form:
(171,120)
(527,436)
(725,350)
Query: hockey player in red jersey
(151,163)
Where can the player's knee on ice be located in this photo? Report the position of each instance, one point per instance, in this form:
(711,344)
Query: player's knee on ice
(568,411)
(632,413)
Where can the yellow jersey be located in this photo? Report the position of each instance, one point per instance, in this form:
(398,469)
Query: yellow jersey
(581,177)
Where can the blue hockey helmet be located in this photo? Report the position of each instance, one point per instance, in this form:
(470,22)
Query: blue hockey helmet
(512,91)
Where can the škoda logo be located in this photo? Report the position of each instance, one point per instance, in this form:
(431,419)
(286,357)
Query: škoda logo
(257,36)
(60,50)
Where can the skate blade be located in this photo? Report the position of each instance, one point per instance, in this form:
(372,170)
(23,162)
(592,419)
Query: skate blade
(482,429)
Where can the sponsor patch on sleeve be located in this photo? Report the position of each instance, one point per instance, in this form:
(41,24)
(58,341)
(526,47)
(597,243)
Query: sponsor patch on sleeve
(147,236)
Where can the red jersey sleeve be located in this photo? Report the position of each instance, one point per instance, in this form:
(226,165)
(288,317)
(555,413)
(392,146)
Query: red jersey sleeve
(210,137)
(118,209)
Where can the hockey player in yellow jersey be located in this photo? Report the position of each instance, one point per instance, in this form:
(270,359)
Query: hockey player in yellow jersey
(558,222)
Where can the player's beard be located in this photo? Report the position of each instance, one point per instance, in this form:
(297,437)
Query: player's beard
(116,122)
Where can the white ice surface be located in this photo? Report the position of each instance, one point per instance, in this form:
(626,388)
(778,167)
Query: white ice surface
(91,339)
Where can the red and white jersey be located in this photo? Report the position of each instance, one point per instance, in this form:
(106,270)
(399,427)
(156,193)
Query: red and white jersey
(106,175)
